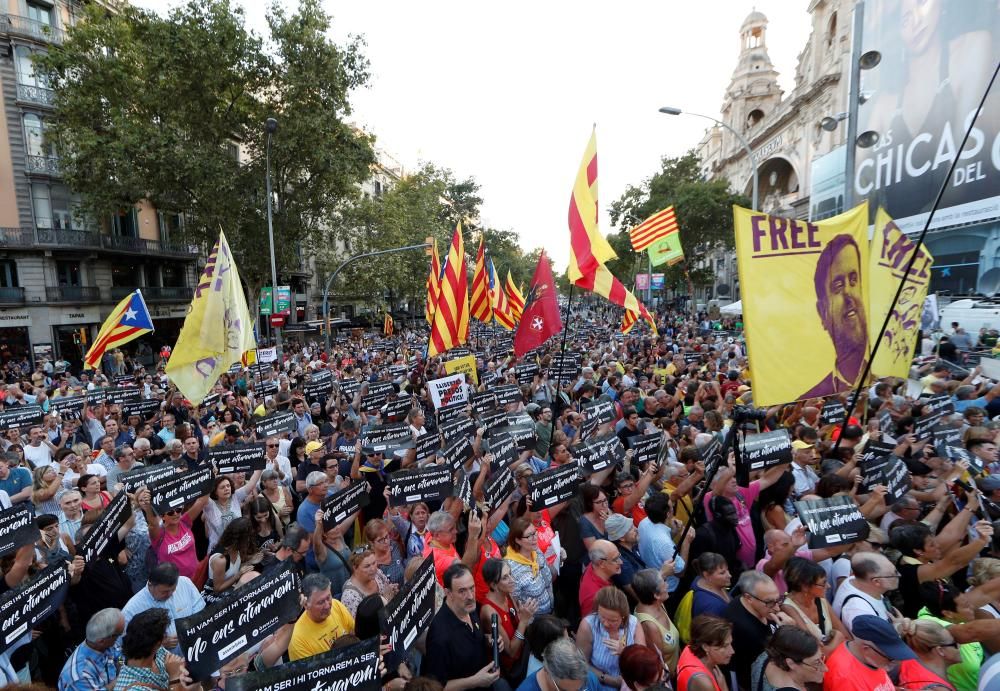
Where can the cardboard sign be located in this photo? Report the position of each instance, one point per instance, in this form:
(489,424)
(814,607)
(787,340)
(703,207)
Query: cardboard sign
(525,372)
(463,489)
(355,668)
(428,484)
(381,388)
(101,536)
(923,427)
(958,453)
(242,458)
(339,506)
(395,411)
(452,411)
(458,453)
(17,528)
(504,449)
(20,416)
(242,619)
(276,424)
(589,456)
(484,401)
(266,388)
(833,521)
(68,406)
(210,400)
(553,486)
(122,395)
(885,422)
(494,419)
(465,365)
(409,613)
(645,448)
(145,409)
(150,474)
(942,403)
(23,609)
(602,411)
(763,451)
(95,397)
(373,402)
(426,446)
(387,438)
(313,391)
(498,487)
(524,435)
(833,413)
(588,428)
(176,491)
(448,390)
(945,435)
(267,355)
(507,394)
(349,387)
(460,427)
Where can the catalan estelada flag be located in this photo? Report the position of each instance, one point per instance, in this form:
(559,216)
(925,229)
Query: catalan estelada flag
(501,306)
(482,307)
(451,319)
(514,297)
(656,227)
(588,248)
(433,283)
(127,321)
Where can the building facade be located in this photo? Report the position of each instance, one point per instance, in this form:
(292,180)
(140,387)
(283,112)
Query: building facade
(61,274)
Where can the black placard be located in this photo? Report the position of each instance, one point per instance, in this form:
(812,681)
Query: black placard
(589,456)
(210,400)
(885,422)
(463,489)
(397,371)
(381,388)
(315,390)
(763,451)
(426,446)
(242,458)
(68,406)
(428,484)
(524,435)
(525,372)
(387,438)
(241,620)
(17,528)
(493,419)
(355,667)
(452,411)
(373,402)
(588,427)
(95,397)
(276,423)
(100,538)
(409,613)
(460,427)
(504,449)
(143,408)
(339,506)
(176,491)
(645,447)
(150,474)
(942,403)
(20,416)
(349,387)
(122,395)
(833,413)
(507,394)
(958,453)
(266,388)
(924,425)
(498,487)
(23,609)
(945,436)
(397,410)
(602,411)
(896,478)
(553,486)
(831,522)
(484,401)
(458,453)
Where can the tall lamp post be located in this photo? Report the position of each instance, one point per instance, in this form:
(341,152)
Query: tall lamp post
(668,110)
(271,126)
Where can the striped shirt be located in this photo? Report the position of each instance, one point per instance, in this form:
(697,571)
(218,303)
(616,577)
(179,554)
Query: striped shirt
(90,669)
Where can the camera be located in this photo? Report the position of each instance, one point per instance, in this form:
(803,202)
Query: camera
(746,413)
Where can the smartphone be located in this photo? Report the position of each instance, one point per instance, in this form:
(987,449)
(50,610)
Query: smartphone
(495,629)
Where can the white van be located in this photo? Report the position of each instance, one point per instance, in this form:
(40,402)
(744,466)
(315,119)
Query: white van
(972,314)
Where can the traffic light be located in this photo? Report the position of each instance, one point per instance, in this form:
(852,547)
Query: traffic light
(83,336)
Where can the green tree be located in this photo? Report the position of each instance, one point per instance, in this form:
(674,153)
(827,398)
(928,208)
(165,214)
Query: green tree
(703,209)
(151,107)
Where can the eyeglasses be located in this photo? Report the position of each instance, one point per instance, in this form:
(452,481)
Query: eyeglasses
(272,446)
(891,575)
(603,501)
(818,664)
(768,603)
(384,538)
(616,559)
(528,536)
(171,512)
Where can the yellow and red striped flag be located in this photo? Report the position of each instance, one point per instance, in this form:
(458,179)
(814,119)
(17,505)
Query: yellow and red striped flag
(451,319)
(588,248)
(501,306)
(482,307)
(628,321)
(127,321)
(656,227)
(514,297)
(603,282)
(433,284)
(387,325)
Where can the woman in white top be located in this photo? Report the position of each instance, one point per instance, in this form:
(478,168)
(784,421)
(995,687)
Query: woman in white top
(225,505)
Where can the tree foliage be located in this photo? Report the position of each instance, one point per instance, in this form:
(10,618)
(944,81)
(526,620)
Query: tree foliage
(704,216)
(151,107)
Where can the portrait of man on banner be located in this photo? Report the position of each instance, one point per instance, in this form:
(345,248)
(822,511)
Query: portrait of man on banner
(808,283)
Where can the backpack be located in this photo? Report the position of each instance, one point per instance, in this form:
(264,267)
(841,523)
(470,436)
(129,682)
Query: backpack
(682,617)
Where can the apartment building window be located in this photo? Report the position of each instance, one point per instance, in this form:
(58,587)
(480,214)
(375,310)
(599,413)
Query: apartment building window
(68,273)
(125,224)
(125,276)
(53,206)
(35,140)
(8,274)
(233,151)
(173,276)
(170,226)
(40,12)
(26,73)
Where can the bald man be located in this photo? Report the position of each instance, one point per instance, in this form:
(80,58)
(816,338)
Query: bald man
(605,562)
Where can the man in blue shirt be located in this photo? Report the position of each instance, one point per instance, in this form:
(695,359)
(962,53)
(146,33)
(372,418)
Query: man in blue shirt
(963,397)
(16,482)
(656,545)
(168,590)
(95,662)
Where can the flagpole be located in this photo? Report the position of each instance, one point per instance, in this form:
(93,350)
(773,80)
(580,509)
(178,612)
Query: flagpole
(562,354)
(913,255)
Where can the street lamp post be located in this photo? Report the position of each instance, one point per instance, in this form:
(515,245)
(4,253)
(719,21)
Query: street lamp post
(667,110)
(271,126)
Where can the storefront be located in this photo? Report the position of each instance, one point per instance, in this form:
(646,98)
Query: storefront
(14,341)
(73,332)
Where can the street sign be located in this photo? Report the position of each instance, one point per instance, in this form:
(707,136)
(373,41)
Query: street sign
(283,300)
(277,320)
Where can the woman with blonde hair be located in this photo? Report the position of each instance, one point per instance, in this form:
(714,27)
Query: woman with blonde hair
(936,651)
(983,571)
(366,579)
(388,555)
(45,482)
(605,633)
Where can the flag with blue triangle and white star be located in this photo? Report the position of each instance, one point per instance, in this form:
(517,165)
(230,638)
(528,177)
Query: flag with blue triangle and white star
(127,321)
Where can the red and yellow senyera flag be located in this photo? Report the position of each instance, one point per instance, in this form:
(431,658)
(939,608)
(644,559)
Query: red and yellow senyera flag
(433,283)
(482,306)
(451,319)
(515,297)
(588,248)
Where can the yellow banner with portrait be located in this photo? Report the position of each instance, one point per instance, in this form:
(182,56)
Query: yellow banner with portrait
(890,253)
(804,302)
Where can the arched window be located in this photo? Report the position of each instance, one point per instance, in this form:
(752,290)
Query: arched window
(754,116)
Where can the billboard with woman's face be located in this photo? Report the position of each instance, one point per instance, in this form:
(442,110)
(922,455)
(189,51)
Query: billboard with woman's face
(937,58)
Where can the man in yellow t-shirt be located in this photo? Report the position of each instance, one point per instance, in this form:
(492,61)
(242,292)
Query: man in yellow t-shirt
(324,621)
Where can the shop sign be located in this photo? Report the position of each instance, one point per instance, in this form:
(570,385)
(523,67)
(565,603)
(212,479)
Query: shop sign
(80,317)
(14,318)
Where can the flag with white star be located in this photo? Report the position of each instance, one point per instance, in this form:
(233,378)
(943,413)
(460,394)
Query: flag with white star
(127,321)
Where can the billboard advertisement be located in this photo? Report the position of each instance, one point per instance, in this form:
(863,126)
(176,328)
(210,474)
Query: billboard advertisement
(937,58)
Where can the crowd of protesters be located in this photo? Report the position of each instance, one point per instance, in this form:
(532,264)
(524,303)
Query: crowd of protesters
(604,591)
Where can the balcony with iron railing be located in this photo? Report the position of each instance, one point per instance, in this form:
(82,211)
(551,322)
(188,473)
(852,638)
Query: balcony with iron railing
(36,95)
(16,25)
(13,295)
(133,245)
(76,294)
(42,165)
(155,293)
(24,238)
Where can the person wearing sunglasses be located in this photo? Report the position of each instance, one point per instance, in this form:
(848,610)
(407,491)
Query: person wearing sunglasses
(754,614)
(171,536)
(860,664)
(937,651)
(791,661)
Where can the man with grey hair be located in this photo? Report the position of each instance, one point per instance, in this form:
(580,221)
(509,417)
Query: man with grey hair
(565,666)
(94,663)
(142,449)
(605,562)
(124,462)
(317,483)
(864,593)
(442,530)
(755,615)
(323,621)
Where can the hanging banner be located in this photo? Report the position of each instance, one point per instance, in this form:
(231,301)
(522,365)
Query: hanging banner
(891,251)
(804,299)
(641,281)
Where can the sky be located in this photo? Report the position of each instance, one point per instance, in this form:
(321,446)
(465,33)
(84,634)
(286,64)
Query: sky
(508,92)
